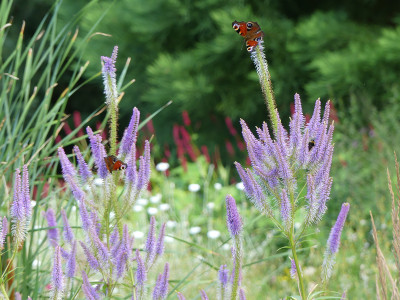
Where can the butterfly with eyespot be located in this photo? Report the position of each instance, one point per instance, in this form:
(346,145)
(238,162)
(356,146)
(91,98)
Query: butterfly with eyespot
(114,164)
(251,32)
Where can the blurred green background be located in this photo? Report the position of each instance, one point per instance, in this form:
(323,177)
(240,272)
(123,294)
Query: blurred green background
(187,52)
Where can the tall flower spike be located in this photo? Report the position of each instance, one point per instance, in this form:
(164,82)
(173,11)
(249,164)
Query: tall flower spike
(68,234)
(242,296)
(180,296)
(93,263)
(130,134)
(84,170)
(160,241)
(71,262)
(57,275)
(144,168)
(334,242)
(3,233)
(233,220)
(87,288)
(26,193)
(150,246)
(109,76)
(52,232)
(98,152)
(19,218)
(161,287)
(203,295)
(141,274)
(286,210)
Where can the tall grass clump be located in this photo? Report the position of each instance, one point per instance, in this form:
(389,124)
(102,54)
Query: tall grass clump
(32,106)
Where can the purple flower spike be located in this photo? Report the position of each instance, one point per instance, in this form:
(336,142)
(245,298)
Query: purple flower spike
(66,166)
(102,251)
(130,134)
(334,237)
(180,296)
(343,296)
(87,288)
(296,123)
(141,274)
(71,263)
(52,233)
(109,76)
(86,221)
(84,170)
(203,295)
(144,168)
(334,242)
(233,220)
(57,275)
(68,234)
(25,192)
(150,246)
(161,288)
(131,170)
(93,263)
(160,241)
(242,296)
(293,269)
(286,210)
(223,275)
(3,232)
(98,152)
(17,296)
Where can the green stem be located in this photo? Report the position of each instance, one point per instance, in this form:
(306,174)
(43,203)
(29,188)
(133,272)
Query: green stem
(113,108)
(299,274)
(3,290)
(266,85)
(237,265)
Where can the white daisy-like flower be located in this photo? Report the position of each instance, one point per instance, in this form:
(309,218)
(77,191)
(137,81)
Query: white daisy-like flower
(171,224)
(226,247)
(194,187)
(98,181)
(194,230)
(137,208)
(162,166)
(213,234)
(156,198)
(168,239)
(33,203)
(217,186)
(73,208)
(210,205)
(240,186)
(142,201)
(138,234)
(164,206)
(152,211)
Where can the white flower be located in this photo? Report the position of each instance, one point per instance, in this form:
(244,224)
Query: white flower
(156,198)
(98,181)
(168,239)
(171,224)
(138,234)
(213,234)
(33,203)
(309,271)
(162,166)
(164,206)
(142,201)
(240,186)
(217,186)
(112,215)
(210,205)
(137,208)
(152,211)
(36,263)
(194,187)
(73,208)
(226,247)
(194,230)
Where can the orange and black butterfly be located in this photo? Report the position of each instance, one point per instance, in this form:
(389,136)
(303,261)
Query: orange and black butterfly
(114,164)
(251,32)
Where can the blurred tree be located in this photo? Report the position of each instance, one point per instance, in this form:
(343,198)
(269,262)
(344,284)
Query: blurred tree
(186,51)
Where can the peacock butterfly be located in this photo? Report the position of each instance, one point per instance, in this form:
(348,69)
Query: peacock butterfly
(251,32)
(114,164)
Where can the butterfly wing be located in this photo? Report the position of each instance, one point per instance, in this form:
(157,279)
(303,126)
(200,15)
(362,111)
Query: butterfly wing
(251,32)
(114,164)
